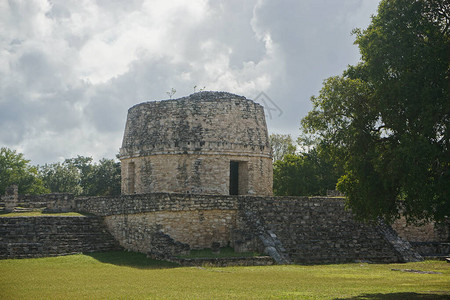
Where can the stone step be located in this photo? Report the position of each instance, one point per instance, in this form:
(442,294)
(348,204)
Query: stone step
(55,235)
(320,230)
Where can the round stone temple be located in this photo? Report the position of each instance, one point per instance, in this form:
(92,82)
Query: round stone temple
(206,143)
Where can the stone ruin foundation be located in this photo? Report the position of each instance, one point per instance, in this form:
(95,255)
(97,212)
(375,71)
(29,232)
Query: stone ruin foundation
(197,173)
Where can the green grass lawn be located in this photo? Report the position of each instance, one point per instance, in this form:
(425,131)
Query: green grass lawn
(121,275)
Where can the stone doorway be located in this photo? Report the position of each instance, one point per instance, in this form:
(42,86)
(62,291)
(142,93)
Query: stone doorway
(238,177)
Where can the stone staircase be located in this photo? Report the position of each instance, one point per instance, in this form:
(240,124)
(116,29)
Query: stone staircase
(22,237)
(406,252)
(319,230)
(267,241)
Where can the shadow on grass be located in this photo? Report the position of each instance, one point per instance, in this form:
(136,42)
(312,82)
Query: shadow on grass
(393,296)
(225,252)
(130,259)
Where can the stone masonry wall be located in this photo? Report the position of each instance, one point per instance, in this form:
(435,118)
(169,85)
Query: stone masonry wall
(187,144)
(50,235)
(429,232)
(302,229)
(10,199)
(197,173)
(207,121)
(198,229)
(157,202)
(53,202)
(312,230)
(319,230)
(139,222)
(430,239)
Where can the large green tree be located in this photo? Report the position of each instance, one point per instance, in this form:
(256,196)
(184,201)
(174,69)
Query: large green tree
(80,176)
(105,178)
(62,178)
(304,174)
(387,120)
(15,169)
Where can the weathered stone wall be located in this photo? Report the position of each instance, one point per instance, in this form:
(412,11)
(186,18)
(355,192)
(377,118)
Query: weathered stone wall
(197,173)
(11,197)
(137,221)
(187,144)
(318,230)
(312,230)
(141,203)
(430,239)
(53,202)
(49,236)
(429,232)
(298,229)
(199,229)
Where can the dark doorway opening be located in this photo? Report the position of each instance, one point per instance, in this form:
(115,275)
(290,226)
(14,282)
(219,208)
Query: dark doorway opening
(234,178)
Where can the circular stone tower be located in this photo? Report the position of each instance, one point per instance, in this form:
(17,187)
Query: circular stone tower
(206,143)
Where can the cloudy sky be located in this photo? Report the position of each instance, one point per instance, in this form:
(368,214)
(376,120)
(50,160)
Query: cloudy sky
(70,69)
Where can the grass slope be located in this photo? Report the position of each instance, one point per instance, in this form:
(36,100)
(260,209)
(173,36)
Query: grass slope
(121,275)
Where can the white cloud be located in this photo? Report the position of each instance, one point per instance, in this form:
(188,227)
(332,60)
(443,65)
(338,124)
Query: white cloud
(70,69)
(158,29)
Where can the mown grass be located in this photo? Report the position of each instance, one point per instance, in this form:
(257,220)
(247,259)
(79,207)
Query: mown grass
(224,252)
(121,275)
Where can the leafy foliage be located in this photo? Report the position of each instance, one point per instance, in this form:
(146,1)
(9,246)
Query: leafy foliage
(282,145)
(80,176)
(386,120)
(15,169)
(62,178)
(305,174)
(105,178)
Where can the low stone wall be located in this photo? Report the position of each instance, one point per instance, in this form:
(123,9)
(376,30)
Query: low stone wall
(429,232)
(319,230)
(141,203)
(22,237)
(309,230)
(199,228)
(290,229)
(53,202)
(432,248)
(301,229)
(143,222)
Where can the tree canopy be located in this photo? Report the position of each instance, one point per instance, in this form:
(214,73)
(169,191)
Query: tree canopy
(387,119)
(80,176)
(282,145)
(304,174)
(15,169)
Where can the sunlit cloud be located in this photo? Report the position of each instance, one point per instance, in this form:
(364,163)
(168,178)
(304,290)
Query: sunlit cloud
(69,70)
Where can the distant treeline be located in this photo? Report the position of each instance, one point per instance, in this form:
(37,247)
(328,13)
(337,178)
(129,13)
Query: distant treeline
(79,176)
